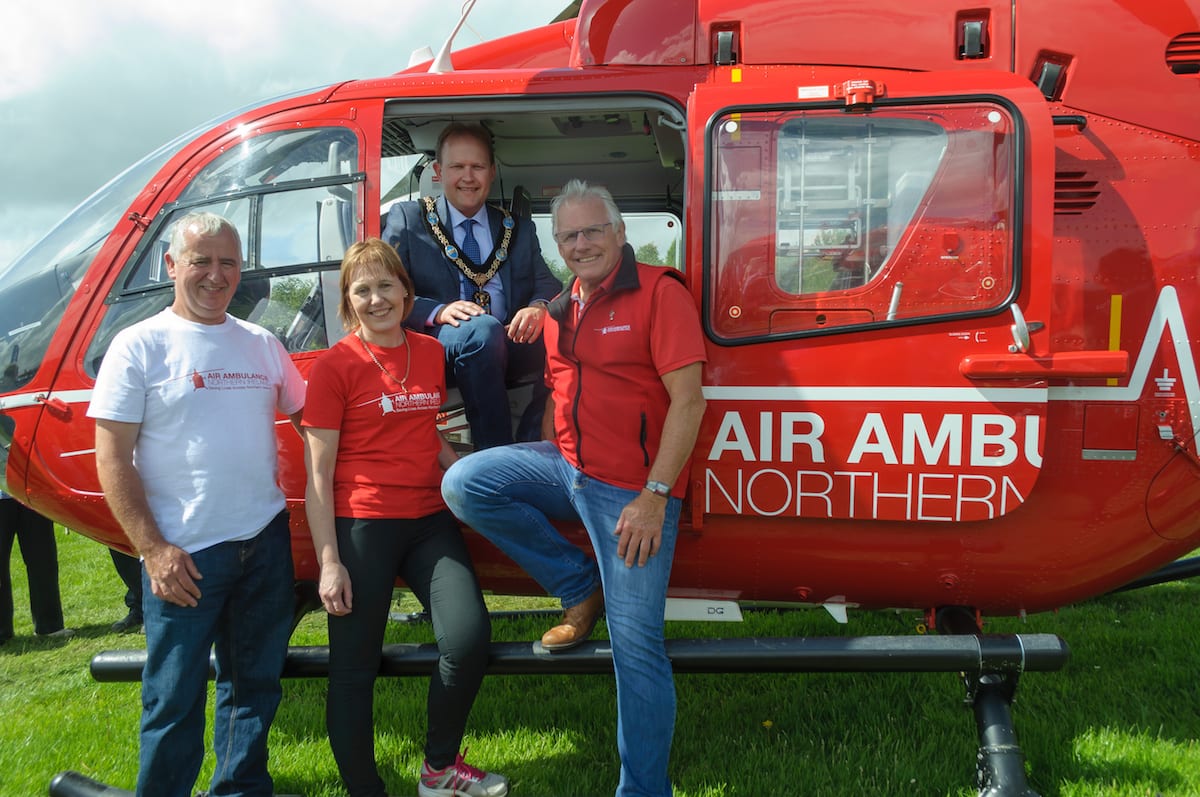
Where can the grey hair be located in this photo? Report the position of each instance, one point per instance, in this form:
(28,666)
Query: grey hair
(577,190)
(203,223)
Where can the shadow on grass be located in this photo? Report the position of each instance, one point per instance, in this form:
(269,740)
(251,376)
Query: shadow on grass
(19,645)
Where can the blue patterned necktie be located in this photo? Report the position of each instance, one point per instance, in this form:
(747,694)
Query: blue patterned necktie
(470,246)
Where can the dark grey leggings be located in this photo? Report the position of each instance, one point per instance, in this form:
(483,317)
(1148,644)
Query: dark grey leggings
(429,554)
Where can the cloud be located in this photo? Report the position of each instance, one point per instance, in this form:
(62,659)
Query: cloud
(88,88)
(46,41)
(30,54)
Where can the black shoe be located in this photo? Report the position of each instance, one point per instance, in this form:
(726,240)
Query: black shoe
(130,623)
(62,633)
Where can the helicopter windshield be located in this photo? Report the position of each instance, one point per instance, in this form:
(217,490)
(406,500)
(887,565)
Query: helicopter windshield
(35,289)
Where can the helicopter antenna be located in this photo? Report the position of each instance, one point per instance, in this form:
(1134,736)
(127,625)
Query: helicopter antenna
(442,62)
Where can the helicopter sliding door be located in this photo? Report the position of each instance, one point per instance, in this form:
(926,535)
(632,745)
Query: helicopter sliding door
(858,251)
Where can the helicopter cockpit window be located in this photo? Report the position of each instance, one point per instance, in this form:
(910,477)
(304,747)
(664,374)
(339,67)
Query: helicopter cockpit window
(295,197)
(823,220)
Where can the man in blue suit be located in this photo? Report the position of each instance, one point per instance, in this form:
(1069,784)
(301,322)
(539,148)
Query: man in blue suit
(482,285)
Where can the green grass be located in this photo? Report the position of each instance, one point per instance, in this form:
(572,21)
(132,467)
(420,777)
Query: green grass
(1122,719)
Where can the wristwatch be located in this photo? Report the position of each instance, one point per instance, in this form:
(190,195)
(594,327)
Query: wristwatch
(661,489)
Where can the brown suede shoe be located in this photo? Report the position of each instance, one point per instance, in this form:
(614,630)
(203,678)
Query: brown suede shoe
(577,623)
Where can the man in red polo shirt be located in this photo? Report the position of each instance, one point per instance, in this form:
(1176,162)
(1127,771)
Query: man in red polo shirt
(624,353)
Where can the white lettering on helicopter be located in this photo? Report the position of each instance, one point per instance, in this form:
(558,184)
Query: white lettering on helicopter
(872,495)
(991,439)
(895,446)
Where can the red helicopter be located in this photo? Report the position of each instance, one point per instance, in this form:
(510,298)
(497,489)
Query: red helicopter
(945,259)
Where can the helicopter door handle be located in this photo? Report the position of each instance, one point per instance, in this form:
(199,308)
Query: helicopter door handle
(55,405)
(1021,331)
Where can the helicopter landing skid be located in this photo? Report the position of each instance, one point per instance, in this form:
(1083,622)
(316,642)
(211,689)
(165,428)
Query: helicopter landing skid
(989,665)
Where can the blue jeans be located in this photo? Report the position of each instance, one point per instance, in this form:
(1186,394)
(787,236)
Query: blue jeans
(480,362)
(510,495)
(245,612)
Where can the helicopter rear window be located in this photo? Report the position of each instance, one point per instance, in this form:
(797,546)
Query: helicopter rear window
(823,220)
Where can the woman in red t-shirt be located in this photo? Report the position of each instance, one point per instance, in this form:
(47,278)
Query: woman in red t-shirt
(375,460)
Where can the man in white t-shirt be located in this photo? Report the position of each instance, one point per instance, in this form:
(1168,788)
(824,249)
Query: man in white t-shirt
(185,405)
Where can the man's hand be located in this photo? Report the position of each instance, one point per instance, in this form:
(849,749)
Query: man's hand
(526,325)
(173,574)
(458,311)
(639,528)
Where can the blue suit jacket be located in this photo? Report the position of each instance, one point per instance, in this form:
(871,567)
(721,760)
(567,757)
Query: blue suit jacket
(525,275)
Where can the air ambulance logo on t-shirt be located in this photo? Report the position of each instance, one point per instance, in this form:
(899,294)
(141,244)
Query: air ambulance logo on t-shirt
(219,379)
(409,402)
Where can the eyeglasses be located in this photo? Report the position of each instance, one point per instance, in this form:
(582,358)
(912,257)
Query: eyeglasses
(592,234)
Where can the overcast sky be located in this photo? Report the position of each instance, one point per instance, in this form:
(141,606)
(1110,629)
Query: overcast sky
(88,87)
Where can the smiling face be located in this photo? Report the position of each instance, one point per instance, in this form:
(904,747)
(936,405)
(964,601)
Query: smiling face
(379,302)
(206,272)
(377,293)
(591,257)
(466,173)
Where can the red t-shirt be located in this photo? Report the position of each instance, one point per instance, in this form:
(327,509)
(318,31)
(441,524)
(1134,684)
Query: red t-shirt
(388,440)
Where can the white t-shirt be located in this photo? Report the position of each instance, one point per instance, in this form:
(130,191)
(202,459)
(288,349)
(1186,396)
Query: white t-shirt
(206,397)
